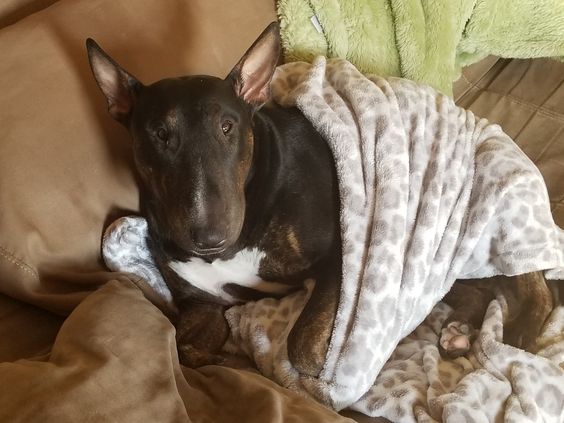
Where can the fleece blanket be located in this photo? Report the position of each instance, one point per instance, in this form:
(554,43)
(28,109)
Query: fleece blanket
(423,40)
(429,194)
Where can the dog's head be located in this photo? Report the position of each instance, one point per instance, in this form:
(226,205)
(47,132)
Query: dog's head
(193,144)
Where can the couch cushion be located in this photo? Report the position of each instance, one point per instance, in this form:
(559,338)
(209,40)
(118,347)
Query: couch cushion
(65,165)
(12,11)
(27,331)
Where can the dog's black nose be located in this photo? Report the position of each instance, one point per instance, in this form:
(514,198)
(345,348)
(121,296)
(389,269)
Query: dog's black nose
(207,240)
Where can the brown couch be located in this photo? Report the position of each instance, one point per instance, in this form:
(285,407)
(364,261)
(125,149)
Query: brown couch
(65,172)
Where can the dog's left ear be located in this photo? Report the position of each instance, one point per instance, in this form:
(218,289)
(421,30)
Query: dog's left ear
(119,87)
(251,76)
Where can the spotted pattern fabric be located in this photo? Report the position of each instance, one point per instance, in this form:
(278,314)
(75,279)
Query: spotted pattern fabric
(429,194)
(493,382)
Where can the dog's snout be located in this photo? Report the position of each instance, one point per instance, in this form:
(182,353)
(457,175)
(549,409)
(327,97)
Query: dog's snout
(206,239)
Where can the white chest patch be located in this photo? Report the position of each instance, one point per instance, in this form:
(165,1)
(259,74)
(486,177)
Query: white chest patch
(241,270)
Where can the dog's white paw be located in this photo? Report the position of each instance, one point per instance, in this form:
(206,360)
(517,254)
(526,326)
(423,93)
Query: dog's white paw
(456,339)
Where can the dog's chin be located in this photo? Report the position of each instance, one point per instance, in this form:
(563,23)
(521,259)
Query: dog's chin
(183,249)
(209,253)
(178,253)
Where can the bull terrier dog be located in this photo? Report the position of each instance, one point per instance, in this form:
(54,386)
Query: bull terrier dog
(241,200)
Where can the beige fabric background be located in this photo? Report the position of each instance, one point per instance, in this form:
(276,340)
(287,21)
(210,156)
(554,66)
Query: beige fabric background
(12,11)
(65,165)
(65,172)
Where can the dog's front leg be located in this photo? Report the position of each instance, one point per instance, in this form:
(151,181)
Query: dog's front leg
(309,339)
(201,328)
(201,331)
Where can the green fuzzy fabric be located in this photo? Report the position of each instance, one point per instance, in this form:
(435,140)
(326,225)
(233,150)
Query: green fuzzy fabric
(427,41)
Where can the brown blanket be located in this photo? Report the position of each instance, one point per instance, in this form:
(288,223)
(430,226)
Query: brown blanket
(114,359)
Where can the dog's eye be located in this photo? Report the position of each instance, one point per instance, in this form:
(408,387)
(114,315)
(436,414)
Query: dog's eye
(162,134)
(226,126)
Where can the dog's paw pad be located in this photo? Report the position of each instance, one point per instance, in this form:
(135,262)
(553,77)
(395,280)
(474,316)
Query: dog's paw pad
(456,339)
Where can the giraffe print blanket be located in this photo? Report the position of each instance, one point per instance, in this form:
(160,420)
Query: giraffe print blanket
(429,194)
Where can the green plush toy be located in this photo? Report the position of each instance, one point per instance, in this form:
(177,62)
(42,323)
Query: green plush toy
(427,41)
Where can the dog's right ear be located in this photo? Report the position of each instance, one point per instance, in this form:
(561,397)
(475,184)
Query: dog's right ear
(252,74)
(119,87)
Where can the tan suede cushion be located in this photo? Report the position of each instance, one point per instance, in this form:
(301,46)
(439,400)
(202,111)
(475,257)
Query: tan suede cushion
(65,165)
(114,360)
(11,11)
